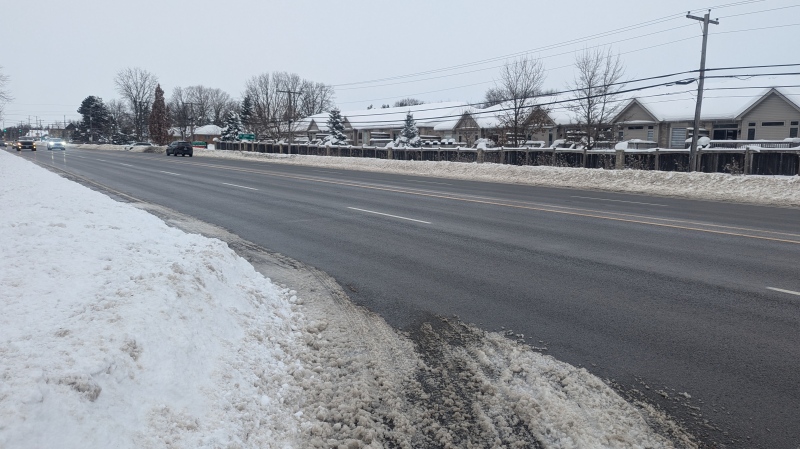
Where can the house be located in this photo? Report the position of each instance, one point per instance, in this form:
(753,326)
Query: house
(666,116)
(377,127)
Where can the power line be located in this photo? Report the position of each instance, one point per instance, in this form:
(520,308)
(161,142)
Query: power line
(547,47)
(551,103)
(650,78)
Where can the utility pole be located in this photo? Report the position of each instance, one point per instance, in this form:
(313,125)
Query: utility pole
(696,131)
(291,113)
(190,119)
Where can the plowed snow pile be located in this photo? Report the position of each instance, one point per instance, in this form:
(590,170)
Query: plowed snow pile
(120,331)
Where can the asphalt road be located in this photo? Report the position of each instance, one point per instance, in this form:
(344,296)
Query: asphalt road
(661,296)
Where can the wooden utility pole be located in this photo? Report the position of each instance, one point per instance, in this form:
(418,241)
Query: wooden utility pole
(696,131)
(291,113)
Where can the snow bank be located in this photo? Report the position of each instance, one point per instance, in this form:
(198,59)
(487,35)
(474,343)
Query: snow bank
(119,331)
(771,190)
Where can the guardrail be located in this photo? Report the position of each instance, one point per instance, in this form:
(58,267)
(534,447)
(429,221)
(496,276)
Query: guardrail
(781,158)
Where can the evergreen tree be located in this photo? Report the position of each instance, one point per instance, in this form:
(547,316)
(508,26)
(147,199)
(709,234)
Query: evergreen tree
(246,112)
(159,120)
(336,128)
(409,136)
(97,123)
(233,127)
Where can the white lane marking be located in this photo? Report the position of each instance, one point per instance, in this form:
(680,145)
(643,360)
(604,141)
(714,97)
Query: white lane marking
(783,291)
(388,215)
(127,165)
(431,182)
(618,201)
(170,173)
(326,171)
(242,187)
(102,160)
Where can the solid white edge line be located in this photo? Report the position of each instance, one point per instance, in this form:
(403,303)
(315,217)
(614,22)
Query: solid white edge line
(783,291)
(127,165)
(431,182)
(235,185)
(618,201)
(388,215)
(170,173)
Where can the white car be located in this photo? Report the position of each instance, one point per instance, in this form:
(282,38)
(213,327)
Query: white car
(138,144)
(55,143)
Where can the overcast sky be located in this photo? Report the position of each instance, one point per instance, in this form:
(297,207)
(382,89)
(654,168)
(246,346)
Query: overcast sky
(58,52)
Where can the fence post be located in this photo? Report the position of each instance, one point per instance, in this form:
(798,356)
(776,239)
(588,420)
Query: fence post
(658,161)
(480,156)
(748,161)
(619,160)
(584,162)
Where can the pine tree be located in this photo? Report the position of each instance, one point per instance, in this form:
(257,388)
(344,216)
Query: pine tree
(246,112)
(159,120)
(336,128)
(97,122)
(409,136)
(233,127)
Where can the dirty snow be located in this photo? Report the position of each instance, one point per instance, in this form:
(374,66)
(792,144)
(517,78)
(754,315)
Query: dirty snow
(120,331)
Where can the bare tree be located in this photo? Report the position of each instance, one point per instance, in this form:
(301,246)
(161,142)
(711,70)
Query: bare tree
(137,86)
(179,111)
(274,108)
(407,102)
(596,95)
(493,97)
(220,103)
(520,83)
(121,116)
(315,98)
(5,96)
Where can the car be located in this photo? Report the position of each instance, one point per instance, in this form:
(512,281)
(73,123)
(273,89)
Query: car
(26,142)
(54,143)
(138,144)
(180,146)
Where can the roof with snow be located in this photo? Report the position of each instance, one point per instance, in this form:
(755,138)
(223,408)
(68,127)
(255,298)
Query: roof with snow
(426,115)
(208,130)
(677,103)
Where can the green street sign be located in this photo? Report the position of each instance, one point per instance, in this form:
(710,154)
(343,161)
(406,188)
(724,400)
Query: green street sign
(246,136)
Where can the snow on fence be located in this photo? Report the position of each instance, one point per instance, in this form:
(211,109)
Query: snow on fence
(735,157)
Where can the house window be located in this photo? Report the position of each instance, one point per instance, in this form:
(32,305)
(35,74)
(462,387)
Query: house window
(650,127)
(621,135)
(794,123)
(792,132)
(650,134)
(773,123)
(678,138)
(751,134)
(751,124)
(636,127)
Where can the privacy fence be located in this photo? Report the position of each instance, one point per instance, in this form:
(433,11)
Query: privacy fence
(723,156)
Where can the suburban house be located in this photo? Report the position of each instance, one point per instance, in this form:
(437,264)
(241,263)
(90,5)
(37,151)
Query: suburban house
(377,127)
(667,117)
(662,117)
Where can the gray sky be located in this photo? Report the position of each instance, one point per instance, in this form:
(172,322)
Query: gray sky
(58,52)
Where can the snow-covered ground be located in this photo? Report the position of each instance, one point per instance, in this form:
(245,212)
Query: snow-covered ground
(771,190)
(118,330)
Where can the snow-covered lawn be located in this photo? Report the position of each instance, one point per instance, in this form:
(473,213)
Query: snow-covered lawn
(120,331)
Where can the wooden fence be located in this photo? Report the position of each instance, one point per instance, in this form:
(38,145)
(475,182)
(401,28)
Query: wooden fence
(734,157)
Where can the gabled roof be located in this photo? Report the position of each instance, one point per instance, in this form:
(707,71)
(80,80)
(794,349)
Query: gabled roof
(633,102)
(677,103)
(758,100)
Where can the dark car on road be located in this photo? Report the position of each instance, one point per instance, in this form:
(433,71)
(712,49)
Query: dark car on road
(180,147)
(26,142)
